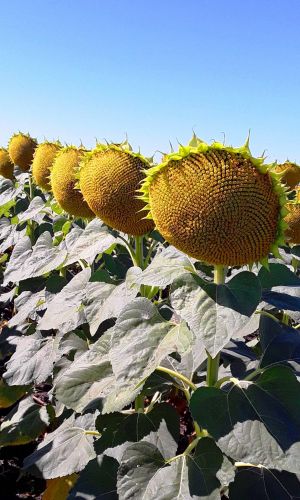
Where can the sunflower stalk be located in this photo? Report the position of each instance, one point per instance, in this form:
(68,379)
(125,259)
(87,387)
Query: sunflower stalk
(213,363)
(139,259)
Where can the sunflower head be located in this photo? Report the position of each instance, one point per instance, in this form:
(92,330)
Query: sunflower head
(21,148)
(43,159)
(63,182)
(109,178)
(6,166)
(217,204)
(290,173)
(292,233)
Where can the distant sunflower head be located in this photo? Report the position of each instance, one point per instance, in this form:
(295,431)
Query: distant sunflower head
(109,178)
(6,166)
(217,204)
(43,159)
(21,149)
(63,182)
(290,173)
(292,233)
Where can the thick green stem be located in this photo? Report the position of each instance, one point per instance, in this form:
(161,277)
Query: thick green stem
(177,375)
(92,433)
(222,381)
(212,369)
(285,318)
(149,254)
(254,374)
(213,363)
(219,275)
(295,263)
(268,315)
(139,255)
(139,404)
(31,187)
(139,251)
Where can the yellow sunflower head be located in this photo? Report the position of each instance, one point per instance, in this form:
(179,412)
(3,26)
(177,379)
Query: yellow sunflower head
(292,233)
(109,178)
(6,166)
(43,159)
(63,182)
(21,148)
(290,173)
(217,204)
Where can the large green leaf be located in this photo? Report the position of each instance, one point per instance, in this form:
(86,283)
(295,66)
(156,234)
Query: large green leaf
(37,205)
(71,342)
(24,423)
(10,234)
(27,261)
(277,275)
(83,302)
(9,394)
(66,450)
(160,424)
(8,192)
(199,475)
(89,378)
(166,267)
(142,339)
(32,361)
(65,312)
(27,304)
(280,344)
(104,301)
(264,484)
(196,476)
(254,422)
(87,243)
(139,464)
(216,313)
(98,481)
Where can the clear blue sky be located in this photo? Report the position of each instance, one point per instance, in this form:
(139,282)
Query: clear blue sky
(156,69)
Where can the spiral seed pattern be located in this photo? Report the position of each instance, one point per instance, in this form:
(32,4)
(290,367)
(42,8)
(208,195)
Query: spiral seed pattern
(216,207)
(109,180)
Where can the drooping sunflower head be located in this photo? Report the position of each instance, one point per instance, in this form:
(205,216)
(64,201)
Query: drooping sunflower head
(63,182)
(6,166)
(217,204)
(43,159)
(21,149)
(109,178)
(292,233)
(290,173)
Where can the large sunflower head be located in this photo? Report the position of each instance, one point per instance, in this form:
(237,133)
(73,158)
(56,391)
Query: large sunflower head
(292,233)
(290,173)
(43,159)
(109,178)
(63,182)
(21,148)
(217,204)
(6,166)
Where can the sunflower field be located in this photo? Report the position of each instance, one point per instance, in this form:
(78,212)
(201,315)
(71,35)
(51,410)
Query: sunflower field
(150,323)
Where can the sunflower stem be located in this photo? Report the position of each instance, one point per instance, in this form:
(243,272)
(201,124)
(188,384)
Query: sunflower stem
(31,187)
(139,256)
(139,251)
(139,404)
(213,363)
(178,375)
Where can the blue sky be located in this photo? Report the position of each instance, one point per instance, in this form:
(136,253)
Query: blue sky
(154,69)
